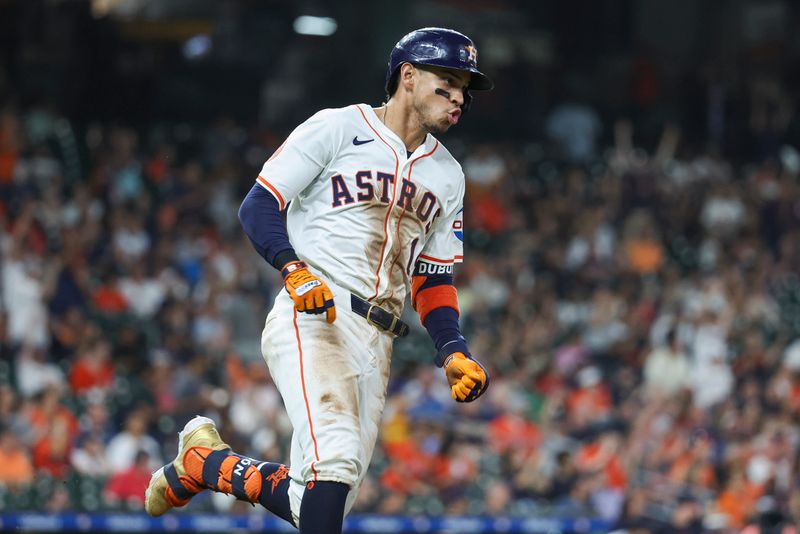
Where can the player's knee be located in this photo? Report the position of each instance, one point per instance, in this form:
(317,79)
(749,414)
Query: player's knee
(345,470)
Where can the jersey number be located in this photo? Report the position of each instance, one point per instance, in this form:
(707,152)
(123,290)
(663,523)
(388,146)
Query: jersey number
(411,256)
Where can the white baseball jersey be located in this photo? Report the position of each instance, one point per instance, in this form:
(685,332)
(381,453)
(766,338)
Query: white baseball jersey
(361,210)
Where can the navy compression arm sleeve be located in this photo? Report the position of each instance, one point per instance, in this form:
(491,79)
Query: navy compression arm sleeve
(442,325)
(260,215)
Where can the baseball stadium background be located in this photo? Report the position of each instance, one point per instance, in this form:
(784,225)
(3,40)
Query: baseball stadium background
(632,274)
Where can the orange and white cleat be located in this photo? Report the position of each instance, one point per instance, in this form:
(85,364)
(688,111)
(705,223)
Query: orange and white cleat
(175,484)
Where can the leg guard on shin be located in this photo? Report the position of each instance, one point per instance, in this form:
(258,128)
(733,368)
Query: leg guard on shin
(275,490)
(224,471)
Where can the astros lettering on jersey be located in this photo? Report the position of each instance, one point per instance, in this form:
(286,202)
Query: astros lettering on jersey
(361,210)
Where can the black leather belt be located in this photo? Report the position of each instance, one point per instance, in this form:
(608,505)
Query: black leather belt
(378,316)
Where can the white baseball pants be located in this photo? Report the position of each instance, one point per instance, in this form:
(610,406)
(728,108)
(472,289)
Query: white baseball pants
(333,379)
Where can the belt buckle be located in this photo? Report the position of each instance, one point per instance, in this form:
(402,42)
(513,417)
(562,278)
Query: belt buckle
(391,327)
(369,316)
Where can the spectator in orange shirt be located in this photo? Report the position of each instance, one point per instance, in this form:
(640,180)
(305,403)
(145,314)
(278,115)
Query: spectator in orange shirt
(644,252)
(16,467)
(694,466)
(738,499)
(603,455)
(55,429)
(511,430)
(591,402)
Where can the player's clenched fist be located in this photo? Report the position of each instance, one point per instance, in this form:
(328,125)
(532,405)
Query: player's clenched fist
(309,293)
(468,379)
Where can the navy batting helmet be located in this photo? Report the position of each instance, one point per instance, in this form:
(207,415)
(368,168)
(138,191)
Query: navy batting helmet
(437,47)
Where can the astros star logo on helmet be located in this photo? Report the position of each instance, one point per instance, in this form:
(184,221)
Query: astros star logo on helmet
(472,55)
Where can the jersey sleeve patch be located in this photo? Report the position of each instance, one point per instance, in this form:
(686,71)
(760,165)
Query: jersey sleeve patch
(458,226)
(446,242)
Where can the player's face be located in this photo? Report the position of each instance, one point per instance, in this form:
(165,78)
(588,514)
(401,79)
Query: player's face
(439,96)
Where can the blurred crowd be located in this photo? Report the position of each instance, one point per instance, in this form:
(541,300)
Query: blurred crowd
(639,311)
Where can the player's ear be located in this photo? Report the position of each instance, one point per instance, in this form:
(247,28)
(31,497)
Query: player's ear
(407,76)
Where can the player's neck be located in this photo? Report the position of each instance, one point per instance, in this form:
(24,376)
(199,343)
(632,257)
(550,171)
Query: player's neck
(403,122)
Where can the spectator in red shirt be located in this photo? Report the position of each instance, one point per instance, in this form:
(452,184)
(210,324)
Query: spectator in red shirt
(92,369)
(107,297)
(127,487)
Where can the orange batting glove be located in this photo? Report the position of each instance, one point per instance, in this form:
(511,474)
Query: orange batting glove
(468,379)
(309,293)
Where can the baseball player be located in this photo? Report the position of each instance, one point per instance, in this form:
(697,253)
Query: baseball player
(373,209)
